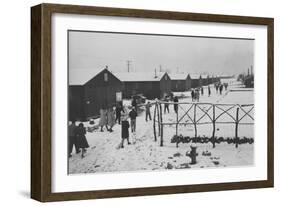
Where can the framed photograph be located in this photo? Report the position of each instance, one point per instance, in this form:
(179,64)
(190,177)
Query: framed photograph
(130,102)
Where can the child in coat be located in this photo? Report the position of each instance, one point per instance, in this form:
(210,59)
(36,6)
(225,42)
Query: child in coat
(124,130)
(81,139)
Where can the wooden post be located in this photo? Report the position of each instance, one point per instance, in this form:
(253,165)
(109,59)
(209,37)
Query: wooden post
(177,124)
(195,127)
(154,122)
(158,115)
(236,128)
(214,126)
(161,131)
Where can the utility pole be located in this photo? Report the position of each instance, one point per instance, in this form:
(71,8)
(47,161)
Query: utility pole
(252,70)
(128,65)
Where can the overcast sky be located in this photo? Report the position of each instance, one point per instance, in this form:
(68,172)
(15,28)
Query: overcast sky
(92,50)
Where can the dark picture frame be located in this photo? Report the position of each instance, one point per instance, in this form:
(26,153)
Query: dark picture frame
(41,96)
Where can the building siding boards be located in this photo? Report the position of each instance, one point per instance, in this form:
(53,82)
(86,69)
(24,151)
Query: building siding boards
(205,80)
(151,88)
(196,81)
(180,84)
(165,86)
(148,89)
(75,102)
(93,95)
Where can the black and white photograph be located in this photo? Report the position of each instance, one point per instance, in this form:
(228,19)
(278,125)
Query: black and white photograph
(144,102)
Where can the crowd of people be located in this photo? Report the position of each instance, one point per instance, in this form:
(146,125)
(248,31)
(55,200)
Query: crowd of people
(219,87)
(77,138)
(120,114)
(195,93)
(108,118)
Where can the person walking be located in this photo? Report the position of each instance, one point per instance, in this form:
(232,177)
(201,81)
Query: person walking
(103,119)
(72,139)
(124,130)
(225,86)
(209,90)
(147,111)
(176,106)
(192,95)
(197,94)
(81,139)
(217,87)
(110,118)
(135,104)
(133,117)
(221,88)
(118,110)
(166,104)
(202,91)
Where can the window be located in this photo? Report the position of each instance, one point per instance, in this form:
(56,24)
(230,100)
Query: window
(105,77)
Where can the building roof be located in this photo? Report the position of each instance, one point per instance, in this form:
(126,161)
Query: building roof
(178,76)
(82,76)
(139,76)
(194,76)
(204,76)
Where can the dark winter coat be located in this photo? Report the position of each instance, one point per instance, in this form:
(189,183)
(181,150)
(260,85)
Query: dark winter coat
(72,134)
(133,114)
(134,102)
(118,110)
(176,100)
(125,129)
(81,138)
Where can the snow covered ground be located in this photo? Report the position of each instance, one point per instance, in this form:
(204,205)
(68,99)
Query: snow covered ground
(104,154)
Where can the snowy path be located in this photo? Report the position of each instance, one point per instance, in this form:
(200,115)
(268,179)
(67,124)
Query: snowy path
(146,154)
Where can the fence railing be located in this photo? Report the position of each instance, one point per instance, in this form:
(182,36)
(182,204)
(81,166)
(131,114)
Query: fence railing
(200,114)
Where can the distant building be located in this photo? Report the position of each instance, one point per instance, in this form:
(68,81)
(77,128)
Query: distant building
(211,79)
(215,79)
(89,91)
(151,85)
(196,80)
(180,82)
(205,79)
(249,81)
(225,76)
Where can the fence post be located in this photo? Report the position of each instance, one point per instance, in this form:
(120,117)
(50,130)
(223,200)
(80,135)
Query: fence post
(195,127)
(214,126)
(236,128)
(161,121)
(154,122)
(177,124)
(158,115)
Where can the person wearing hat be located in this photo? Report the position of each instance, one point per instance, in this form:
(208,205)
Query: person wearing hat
(72,138)
(118,110)
(81,139)
(103,118)
(133,116)
(110,118)
(124,129)
(147,111)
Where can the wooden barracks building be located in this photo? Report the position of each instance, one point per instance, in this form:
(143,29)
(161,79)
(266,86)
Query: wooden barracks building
(89,91)
(180,82)
(196,80)
(151,85)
